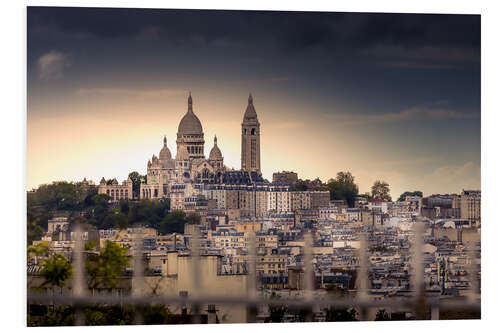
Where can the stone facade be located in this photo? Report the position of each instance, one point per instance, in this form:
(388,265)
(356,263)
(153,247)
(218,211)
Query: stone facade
(190,164)
(250,139)
(116,191)
(470,207)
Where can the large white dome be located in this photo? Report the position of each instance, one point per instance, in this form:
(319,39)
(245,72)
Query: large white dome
(190,124)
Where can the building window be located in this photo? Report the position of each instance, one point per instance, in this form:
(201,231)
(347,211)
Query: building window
(253,153)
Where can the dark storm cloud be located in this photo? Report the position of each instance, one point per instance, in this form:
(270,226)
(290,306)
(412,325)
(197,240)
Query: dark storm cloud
(380,59)
(288,31)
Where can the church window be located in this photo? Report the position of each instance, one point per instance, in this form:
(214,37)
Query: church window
(253,154)
(253,131)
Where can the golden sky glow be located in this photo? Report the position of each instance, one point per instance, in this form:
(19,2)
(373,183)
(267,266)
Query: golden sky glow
(112,141)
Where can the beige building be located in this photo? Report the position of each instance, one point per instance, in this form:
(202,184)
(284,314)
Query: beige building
(300,200)
(320,199)
(116,191)
(250,139)
(57,224)
(470,207)
(279,200)
(271,264)
(227,238)
(217,193)
(266,240)
(247,225)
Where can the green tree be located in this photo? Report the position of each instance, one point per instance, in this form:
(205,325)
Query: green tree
(39,250)
(148,212)
(299,185)
(276,312)
(340,314)
(136,179)
(334,290)
(173,222)
(38,212)
(382,315)
(343,188)
(55,271)
(56,316)
(121,221)
(193,218)
(156,314)
(403,196)
(59,195)
(98,210)
(109,315)
(380,190)
(77,220)
(124,207)
(34,231)
(104,269)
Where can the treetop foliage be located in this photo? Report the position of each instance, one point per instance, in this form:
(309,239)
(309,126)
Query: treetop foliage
(56,270)
(104,269)
(82,205)
(343,187)
(381,190)
(403,196)
(137,179)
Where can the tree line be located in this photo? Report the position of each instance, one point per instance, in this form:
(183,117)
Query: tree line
(82,204)
(344,187)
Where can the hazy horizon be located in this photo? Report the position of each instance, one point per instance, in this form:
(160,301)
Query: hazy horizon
(394,97)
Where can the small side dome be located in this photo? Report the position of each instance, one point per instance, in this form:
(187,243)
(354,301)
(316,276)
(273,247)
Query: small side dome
(165,152)
(215,153)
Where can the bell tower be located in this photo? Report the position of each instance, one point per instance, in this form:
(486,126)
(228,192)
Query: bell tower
(250,139)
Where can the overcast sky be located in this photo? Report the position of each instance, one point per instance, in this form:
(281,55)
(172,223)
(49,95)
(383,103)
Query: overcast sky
(386,96)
